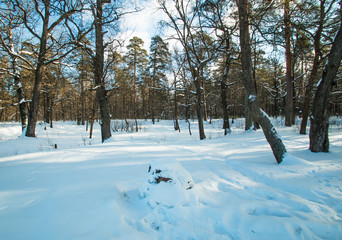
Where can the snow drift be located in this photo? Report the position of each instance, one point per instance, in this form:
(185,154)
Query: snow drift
(88,190)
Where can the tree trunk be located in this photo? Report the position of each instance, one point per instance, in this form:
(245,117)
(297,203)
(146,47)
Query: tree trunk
(83,101)
(135,94)
(51,112)
(319,138)
(153,92)
(176,125)
(33,111)
(199,108)
(21,100)
(314,72)
(258,115)
(46,107)
(203,93)
(101,93)
(276,95)
(308,95)
(247,112)
(224,104)
(288,55)
(92,120)
(19,88)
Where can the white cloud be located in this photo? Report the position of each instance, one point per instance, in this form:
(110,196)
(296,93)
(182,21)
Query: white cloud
(143,24)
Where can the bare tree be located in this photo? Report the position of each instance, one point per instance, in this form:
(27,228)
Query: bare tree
(319,129)
(214,15)
(101,92)
(105,16)
(323,13)
(258,115)
(39,13)
(9,22)
(187,24)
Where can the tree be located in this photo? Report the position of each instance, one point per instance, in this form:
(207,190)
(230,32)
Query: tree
(104,19)
(83,75)
(321,17)
(101,92)
(289,64)
(40,14)
(9,22)
(214,13)
(159,64)
(319,129)
(258,115)
(137,60)
(185,20)
(122,82)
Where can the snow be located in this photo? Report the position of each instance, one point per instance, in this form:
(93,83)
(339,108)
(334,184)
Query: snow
(169,178)
(319,82)
(88,190)
(252,98)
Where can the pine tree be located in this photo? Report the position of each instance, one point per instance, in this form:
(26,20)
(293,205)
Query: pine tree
(136,59)
(159,63)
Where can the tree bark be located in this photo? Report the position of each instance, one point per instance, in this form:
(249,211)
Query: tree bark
(199,107)
(224,104)
(289,74)
(51,112)
(247,112)
(276,87)
(258,115)
(101,93)
(319,137)
(176,124)
(92,119)
(83,99)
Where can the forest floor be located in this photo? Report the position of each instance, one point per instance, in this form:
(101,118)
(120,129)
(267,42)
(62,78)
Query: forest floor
(88,190)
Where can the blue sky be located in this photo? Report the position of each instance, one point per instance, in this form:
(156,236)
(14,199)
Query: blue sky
(143,24)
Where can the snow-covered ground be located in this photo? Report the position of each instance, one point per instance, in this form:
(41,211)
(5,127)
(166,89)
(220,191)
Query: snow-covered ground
(224,187)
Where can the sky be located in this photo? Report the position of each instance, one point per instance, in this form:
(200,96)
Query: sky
(143,24)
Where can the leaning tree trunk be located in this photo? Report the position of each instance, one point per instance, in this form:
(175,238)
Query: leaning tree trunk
(319,138)
(258,115)
(101,92)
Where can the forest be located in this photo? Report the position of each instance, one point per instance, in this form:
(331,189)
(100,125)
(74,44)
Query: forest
(66,60)
(108,134)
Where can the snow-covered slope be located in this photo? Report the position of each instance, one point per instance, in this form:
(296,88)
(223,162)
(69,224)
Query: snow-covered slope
(88,190)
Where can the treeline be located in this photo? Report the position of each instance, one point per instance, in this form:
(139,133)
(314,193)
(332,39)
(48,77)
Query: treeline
(63,60)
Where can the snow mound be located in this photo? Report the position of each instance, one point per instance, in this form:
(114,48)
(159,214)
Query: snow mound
(167,184)
(290,160)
